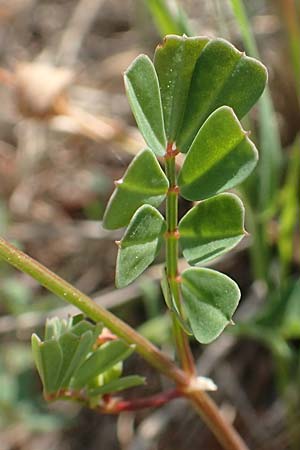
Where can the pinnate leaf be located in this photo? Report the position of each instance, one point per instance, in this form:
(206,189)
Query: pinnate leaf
(210,299)
(223,76)
(211,228)
(143,93)
(143,182)
(140,244)
(220,157)
(174,62)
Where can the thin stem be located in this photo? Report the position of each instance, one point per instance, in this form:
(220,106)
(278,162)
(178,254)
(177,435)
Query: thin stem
(205,406)
(115,405)
(153,401)
(172,235)
(212,416)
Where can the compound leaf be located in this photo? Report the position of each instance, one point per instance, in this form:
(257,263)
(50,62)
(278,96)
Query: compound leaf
(220,157)
(143,182)
(140,244)
(210,301)
(223,76)
(143,93)
(174,62)
(212,228)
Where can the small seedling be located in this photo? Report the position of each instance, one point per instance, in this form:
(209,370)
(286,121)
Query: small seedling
(189,101)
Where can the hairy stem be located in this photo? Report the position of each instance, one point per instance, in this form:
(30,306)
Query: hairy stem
(172,235)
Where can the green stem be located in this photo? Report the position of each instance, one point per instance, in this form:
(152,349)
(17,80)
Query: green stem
(204,405)
(182,344)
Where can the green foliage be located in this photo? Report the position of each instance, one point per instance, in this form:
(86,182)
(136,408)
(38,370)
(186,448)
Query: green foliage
(220,157)
(70,359)
(140,244)
(142,89)
(210,300)
(222,76)
(50,357)
(211,228)
(100,361)
(193,85)
(175,62)
(192,98)
(143,182)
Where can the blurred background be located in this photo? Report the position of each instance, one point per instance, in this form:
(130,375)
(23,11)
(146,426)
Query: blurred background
(66,132)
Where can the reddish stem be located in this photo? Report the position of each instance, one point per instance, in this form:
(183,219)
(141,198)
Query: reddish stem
(153,401)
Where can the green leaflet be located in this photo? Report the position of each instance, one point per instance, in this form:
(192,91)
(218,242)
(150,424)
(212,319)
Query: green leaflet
(174,62)
(118,385)
(143,182)
(222,76)
(51,360)
(220,157)
(35,346)
(103,359)
(82,326)
(139,245)
(210,299)
(211,228)
(75,350)
(142,89)
(112,374)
